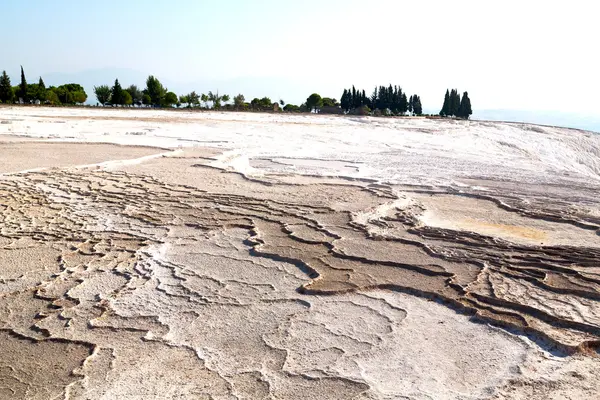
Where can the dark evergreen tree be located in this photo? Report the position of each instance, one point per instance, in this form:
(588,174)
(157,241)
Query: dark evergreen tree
(451,103)
(41,92)
(403,104)
(374,97)
(380,103)
(455,102)
(6,90)
(465,110)
(417,107)
(396,98)
(411,102)
(117,96)
(345,101)
(354,98)
(445,111)
(23,87)
(363,98)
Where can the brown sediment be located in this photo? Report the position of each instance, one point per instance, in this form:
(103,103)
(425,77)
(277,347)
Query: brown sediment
(113,268)
(26,154)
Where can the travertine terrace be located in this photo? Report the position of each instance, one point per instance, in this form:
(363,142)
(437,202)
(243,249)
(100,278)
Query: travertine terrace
(152,255)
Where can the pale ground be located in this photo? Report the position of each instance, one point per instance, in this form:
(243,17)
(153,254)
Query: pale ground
(296,257)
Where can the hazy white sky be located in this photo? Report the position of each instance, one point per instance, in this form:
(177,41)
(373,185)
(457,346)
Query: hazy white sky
(528,54)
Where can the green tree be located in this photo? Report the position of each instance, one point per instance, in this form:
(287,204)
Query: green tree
(136,94)
(265,103)
(155,90)
(70,93)
(314,102)
(79,97)
(102,93)
(291,108)
(183,99)
(465,110)
(417,107)
(41,92)
(217,99)
(170,99)
(329,102)
(126,96)
(6,90)
(146,99)
(116,96)
(345,100)
(239,101)
(403,104)
(23,87)
(454,102)
(445,111)
(32,91)
(204,98)
(193,99)
(281,102)
(52,96)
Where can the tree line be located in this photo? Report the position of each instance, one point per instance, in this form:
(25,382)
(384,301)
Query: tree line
(156,95)
(390,100)
(71,93)
(384,100)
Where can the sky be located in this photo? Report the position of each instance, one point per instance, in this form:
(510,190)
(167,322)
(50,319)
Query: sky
(535,56)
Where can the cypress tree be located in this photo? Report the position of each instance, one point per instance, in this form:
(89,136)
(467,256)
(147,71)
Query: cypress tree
(417,107)
(363,101)
(403,104)
(354,98)
(344,100)
(117,94)
(456,103)
(374,99)
(6,90)
(41,95)
(382,98)
(411,104)
(445,111)
(465,110)
(23,87)
(453,108)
